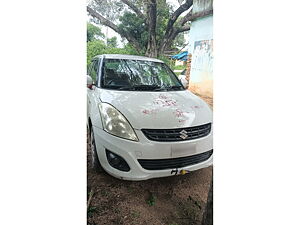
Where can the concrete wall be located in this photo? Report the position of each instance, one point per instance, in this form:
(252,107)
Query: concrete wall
(202,5)
(201,48)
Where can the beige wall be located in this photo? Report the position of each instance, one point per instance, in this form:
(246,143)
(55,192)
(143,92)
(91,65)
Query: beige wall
(202,88)
(201,52)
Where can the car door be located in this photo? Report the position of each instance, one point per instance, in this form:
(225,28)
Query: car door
(93,72)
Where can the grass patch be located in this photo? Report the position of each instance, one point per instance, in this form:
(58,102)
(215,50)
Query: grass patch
(104,193)
(189,212)
(135,214)
(179,67)
(130,189)
(91,210)
(151,200)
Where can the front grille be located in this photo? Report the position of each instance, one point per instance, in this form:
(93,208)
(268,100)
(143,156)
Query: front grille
(178,134)
(162,164)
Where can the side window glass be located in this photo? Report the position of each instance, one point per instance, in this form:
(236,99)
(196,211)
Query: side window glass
(94,70)
(90,68)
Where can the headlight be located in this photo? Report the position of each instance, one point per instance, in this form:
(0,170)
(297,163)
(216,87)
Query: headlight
(115,123)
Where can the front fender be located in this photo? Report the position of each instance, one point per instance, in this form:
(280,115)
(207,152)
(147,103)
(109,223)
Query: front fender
(93,111)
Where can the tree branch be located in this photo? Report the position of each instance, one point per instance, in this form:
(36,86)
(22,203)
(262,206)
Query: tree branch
(103,20)
(185,19)
(134,8)
(111,25)
(173,35)
(172,20)
(192,16)
(178,12)
(182,29)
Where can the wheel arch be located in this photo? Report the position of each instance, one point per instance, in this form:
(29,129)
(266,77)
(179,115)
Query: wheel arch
(90,123)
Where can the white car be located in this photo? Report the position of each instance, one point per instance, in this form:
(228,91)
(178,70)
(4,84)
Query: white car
(142,121)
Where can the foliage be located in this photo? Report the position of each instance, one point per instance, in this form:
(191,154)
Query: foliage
(131,23)
(112,42)
(153,27)
(93,32)
(111,9)
(98,47)
(167,61)
(179,41)
(94,48)
(164,11)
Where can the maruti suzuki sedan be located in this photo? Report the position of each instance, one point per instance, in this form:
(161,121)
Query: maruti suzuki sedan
(142,121)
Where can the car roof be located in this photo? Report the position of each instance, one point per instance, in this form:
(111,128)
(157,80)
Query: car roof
(132,57)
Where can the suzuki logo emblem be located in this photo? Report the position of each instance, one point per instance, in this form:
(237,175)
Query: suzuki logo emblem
(183,134)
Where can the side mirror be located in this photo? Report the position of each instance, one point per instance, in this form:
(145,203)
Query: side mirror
(89,82)
(183,81)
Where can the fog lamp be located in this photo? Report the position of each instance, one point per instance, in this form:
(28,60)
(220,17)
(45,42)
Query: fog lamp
(117,161)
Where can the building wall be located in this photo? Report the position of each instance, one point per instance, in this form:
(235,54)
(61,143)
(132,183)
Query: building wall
(201,49)
(202,5)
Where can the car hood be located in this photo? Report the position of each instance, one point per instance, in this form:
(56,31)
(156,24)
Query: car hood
(159,110)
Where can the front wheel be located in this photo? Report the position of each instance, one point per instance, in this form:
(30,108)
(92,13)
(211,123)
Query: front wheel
(95,160)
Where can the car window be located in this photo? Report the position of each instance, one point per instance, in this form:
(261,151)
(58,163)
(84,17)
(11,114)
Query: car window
(94,70)
(90,68)
(131,74)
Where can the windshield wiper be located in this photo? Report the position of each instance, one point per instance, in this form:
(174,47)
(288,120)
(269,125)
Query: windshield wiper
(160,89)
(139,87)
(147,88)
(175,87)
(129,88)
(168,88)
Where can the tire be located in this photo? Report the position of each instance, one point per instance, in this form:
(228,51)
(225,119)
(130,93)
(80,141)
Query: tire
(95,159)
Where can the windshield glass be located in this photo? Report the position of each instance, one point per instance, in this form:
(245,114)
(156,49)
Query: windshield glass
(127,74)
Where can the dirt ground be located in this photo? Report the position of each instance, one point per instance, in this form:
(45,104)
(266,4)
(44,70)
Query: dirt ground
(176,200)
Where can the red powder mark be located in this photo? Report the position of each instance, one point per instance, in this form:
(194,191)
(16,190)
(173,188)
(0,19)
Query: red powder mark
(146,111)
(196,107)
(158,101)
(165,102)
(162,96)
(169,103)
(178,113)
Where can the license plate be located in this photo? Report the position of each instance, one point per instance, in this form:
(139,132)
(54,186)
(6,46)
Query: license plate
(179,172)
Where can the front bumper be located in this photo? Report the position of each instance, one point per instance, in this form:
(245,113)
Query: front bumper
(131,151)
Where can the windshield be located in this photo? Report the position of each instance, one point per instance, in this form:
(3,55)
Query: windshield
(127,74)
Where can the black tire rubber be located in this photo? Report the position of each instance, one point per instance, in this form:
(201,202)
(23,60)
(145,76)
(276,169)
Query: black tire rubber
(95,159)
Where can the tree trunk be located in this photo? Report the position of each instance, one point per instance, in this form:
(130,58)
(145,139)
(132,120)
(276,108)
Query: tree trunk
(151,15)
(152,48)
